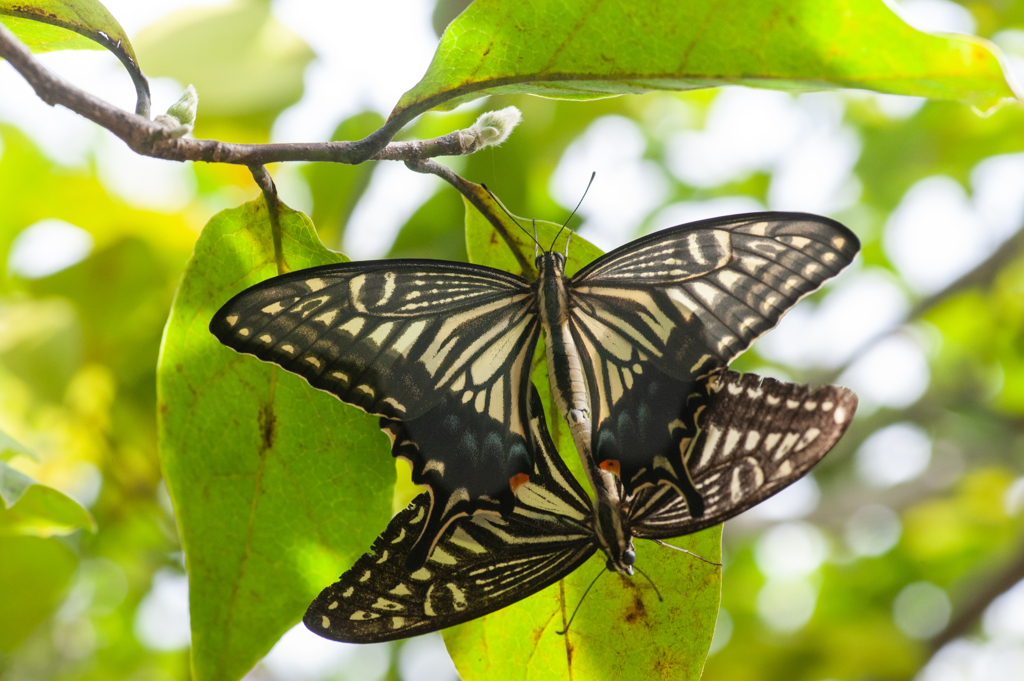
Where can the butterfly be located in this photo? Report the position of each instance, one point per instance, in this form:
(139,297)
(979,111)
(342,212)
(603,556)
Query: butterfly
(755,437)
(442,352)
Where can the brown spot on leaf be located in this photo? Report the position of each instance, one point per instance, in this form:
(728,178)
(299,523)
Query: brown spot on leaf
(636,612)
(268,427)
(664,668)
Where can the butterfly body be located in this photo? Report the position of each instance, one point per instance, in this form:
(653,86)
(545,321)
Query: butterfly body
(486,561)
(635,340)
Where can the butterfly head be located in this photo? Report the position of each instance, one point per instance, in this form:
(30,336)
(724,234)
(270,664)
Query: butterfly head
(614,537)
(550,259)
(624,564)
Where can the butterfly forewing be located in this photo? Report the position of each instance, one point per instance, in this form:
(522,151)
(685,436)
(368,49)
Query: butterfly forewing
(755,437)
(385,336)
(440,351)
(480,564)
(657,314)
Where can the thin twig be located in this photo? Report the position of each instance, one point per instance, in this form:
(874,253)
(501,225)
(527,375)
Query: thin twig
(266,183)
(476,195)
(149,138)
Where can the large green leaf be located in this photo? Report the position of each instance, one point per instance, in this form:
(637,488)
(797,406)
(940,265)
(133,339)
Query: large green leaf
(33,575)
(32,508)
(587,50)
(622,629)
(277,487)
(49,25)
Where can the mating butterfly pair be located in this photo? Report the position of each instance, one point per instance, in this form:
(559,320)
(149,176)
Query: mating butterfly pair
(637,343)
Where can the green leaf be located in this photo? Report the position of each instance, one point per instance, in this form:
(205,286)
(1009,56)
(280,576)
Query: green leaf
(277,487)
(31,508)
(50,25)
(622,629)
(41,38)
(588,50)
(33,575)
(487,247)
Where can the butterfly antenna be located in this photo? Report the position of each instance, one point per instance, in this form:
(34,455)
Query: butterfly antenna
(592,583)
(709,562)
(536,241)
(510,217)
(647,577)
(592,176)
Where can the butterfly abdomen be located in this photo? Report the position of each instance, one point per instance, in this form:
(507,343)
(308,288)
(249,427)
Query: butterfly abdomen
(570,390)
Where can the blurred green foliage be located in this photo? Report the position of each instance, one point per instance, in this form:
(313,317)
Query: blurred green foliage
(259,66)
(79,350)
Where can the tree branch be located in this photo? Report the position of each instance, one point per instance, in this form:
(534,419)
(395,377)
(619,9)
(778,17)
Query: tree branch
(149,138)
(480,199)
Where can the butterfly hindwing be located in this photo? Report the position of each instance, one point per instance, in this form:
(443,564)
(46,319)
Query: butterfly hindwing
(440,351)
(755,437)
(481,563)
(654,316)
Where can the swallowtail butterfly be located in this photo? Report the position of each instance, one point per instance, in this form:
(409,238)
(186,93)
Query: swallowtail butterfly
(755,437)
(442,352)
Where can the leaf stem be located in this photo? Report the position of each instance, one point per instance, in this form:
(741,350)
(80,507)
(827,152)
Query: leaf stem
(266,183)
(481,200)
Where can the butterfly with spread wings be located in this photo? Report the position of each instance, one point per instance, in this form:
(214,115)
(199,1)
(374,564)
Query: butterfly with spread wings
(442,352)
(754,437)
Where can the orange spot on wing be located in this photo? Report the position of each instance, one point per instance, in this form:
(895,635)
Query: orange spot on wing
(518,480)
(611,465)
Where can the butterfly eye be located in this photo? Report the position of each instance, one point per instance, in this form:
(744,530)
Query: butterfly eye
(629,557)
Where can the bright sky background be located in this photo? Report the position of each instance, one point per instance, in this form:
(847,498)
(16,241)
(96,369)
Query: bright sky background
(938,232)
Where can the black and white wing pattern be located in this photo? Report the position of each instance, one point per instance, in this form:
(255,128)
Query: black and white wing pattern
(653,317)
(753,438)
(440,351)
(481,563)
